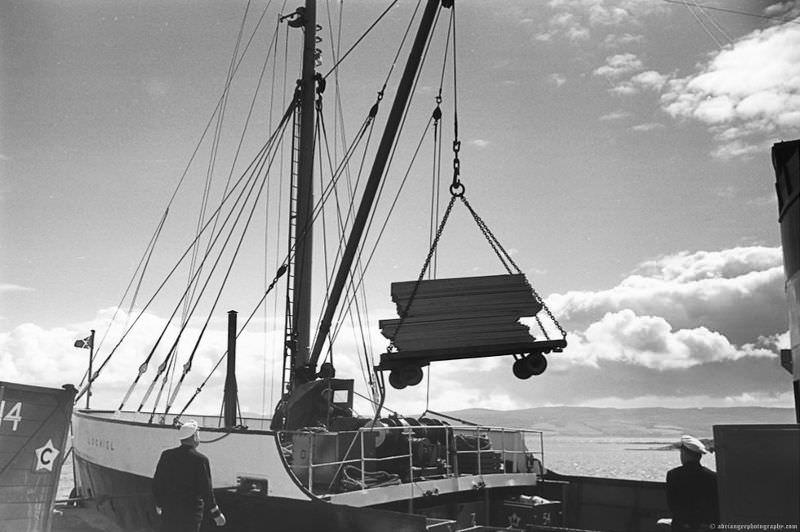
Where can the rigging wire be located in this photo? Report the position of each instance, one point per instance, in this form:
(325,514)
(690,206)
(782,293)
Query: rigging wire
(713,22)
(143,368)
(704,26)
(736,12)
(388,216)
(211,169)
(281,271)
(237,152)
(341,227)
(364,358)
(178,186)
(280,216)
(349,298)
(265,326)
(145,260)
(161,286)
(358,41)
(315,213)
(188,365)
(437,154)
(383,182)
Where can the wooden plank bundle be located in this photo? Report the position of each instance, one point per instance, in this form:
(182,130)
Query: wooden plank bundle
(461,313)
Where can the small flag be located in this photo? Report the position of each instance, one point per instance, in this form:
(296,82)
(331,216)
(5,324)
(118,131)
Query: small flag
(86,343)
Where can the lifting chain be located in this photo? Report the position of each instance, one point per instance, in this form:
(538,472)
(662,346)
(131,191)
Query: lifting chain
(505,256)
(404,312)
(457,187)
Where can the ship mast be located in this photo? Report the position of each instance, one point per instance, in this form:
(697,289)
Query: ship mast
(303,359)
(301,288)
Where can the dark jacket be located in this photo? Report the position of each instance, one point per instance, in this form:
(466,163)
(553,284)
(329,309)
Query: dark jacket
(182,485)
(692,496)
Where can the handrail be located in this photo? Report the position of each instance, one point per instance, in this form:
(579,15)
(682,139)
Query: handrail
(509,444)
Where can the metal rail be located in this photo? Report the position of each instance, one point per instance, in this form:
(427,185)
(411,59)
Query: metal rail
(511,446)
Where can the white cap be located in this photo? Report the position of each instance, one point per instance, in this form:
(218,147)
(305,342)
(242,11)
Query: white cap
(693,444)
(187,429)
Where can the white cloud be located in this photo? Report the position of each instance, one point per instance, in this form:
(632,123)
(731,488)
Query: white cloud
(650,79)
(760,399)
(614,40)
(779,400)
(576,20)
(616,115)
(643,81)
(787,10)
(649,126)
(747,94)
(556,79)
(618,65)
(480,143)
(737,292)
(46,356)
(720,313)
(9,287)
(651,342)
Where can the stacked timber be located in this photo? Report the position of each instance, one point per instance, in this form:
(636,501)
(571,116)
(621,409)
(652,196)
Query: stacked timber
(461,312)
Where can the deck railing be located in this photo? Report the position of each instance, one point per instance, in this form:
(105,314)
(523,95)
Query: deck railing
(322,474)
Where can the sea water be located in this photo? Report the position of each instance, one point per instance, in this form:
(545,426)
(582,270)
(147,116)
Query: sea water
(615,457)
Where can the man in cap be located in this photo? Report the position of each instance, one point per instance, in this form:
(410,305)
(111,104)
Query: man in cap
(692,490)
(182,485)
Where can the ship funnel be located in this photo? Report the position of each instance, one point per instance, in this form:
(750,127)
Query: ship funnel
(231,391)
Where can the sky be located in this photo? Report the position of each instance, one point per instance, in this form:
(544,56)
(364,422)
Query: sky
(618,149)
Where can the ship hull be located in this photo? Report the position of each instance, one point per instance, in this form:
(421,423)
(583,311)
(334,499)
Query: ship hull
(126,499)
(116,458)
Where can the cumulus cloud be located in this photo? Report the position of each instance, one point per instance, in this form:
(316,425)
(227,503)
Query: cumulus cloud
(576,20)
(651,342)
(737,292)
(786,10)
(649,80)
(703,325)
(45,356)
(618,65)
(746,93)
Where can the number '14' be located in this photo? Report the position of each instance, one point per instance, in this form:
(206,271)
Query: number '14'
(14,414)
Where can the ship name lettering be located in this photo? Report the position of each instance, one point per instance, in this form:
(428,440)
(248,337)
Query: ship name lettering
(14,415)
(100,443)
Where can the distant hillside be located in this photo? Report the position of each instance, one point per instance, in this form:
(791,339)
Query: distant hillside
(639,422)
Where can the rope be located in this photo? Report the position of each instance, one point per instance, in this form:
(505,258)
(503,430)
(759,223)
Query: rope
(187,302)
(358,41)
(143,366)
(148,253)
(388,217)
(188,365)
(161,286)
(389,162)
(364,363)
(351,479)
(179,185)
(743,13)
(278,275)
